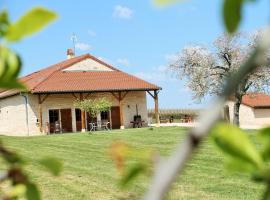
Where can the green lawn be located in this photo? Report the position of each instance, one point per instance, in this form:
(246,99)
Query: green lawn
(90,174)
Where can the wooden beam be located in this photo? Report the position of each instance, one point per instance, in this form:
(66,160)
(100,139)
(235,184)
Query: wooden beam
(120,98)
(121,112)
(82,114)
(156,108)
(124,95)
(40,112)
(41,100)
(151,94)
(87,95)
(117,97)
(74,95)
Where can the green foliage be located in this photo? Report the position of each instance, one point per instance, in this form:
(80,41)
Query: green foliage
(165,2)
(235,142)
(32,192)
(4,23)
(10,65)
(52,164)
(93,106)
(243,154)
(264,137)
(33,21)
(232,13)
(131,161)
(10,62)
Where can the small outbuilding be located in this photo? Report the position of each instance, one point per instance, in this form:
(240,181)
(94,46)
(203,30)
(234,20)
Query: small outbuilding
(254,111)
(51,93)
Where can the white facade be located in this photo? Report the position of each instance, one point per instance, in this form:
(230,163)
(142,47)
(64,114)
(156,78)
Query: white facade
(13,117)
(250,118)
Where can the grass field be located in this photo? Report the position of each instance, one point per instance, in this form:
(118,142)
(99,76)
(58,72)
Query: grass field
(89,172)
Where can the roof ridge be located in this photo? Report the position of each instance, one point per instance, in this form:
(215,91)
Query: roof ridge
(60,68)
(102,62)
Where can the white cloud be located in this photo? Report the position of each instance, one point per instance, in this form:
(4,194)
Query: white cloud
(83,46)
(92,33)
(122,12)
(123,61)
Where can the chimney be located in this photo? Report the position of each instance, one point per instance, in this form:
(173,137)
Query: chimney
(70,53)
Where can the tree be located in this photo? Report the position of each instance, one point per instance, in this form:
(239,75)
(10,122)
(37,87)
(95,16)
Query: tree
(93,106)
(207,69)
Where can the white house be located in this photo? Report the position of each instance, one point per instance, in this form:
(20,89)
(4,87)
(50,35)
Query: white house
(51,93)
(254,111)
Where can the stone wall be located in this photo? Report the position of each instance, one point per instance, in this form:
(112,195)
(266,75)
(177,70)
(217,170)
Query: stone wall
(13,117)
(249,117)
(13,114)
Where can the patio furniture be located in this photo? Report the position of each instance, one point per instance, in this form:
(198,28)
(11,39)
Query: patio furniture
(137,124)
(57,127)
(99,125)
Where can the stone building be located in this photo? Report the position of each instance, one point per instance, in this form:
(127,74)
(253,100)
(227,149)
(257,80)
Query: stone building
(51,93)
(254,111)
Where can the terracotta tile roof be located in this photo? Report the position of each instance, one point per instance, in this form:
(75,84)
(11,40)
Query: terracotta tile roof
(256,100)
(53,80)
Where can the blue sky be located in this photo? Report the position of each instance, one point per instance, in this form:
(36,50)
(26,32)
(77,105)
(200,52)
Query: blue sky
(133,35)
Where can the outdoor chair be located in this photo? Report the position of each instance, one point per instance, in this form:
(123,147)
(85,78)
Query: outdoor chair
(105,125)
(57,127)
(99,125)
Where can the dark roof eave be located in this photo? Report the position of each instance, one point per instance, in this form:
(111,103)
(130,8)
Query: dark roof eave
(89,91)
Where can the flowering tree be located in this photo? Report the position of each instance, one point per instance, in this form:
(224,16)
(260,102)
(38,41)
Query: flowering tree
(207,69)
(93,106)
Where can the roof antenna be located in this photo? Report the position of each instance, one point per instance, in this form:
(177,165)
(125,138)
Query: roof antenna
(74,40)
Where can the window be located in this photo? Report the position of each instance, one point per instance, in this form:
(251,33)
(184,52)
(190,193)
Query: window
(104,115)
(78,115)
(53,116)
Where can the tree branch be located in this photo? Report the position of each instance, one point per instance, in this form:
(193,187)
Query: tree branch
(248,86)
(221,67)
(227,58)
(167,170)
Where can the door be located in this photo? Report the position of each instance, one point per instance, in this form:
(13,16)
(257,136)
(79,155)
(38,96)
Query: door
(53,118)
(78,119)
(66,120)
(115,114)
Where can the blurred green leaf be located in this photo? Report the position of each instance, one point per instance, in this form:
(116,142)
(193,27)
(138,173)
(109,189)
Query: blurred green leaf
(165,2)
(239,165)
(4,22)
(132,172)
(16,191)
(31,22)
(32,192)
(54,165)
(236,143)
(264,136)
(232,12)
(10,65)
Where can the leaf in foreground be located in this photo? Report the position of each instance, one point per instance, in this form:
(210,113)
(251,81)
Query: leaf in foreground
(32,192)
(54,165)
(33,21)
(232,12)
(236,143)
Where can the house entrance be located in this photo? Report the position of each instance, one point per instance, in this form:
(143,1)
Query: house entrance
(60,120)
(115,115)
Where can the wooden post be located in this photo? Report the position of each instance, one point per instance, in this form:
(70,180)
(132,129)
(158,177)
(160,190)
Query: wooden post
(82,115)
(40,113)
(121,111)
(156,108)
